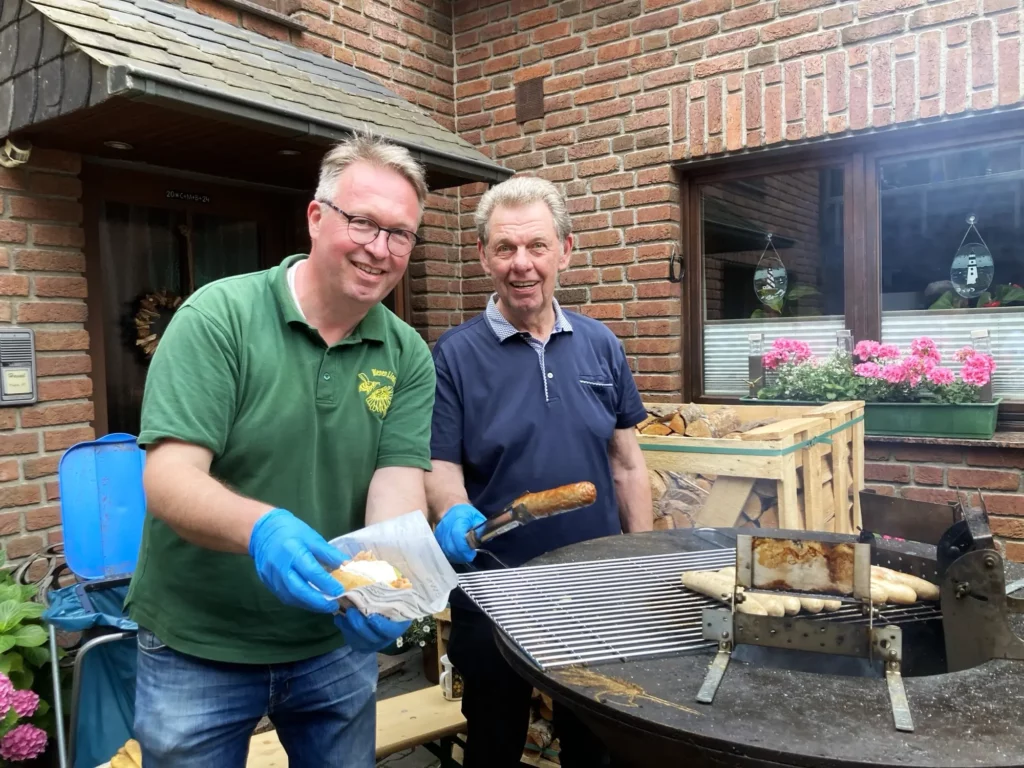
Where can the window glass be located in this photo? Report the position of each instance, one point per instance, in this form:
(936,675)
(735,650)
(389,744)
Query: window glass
(952,253)
(789,284)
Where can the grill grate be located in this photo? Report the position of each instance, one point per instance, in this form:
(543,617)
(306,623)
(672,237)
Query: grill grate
(615,610)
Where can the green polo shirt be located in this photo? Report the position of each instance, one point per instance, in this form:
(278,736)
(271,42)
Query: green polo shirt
(290,422)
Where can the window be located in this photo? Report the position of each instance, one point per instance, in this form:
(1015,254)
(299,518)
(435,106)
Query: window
(952,250)
(772,250)
(893,236)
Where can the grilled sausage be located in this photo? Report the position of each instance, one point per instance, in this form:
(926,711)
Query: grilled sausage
(561,499)
(924,589)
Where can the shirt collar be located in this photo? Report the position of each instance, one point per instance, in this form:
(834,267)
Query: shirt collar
(372,327)
(504,330)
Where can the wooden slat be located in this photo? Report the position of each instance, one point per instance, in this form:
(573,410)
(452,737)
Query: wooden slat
(715,464)
(404,721)
(724,504)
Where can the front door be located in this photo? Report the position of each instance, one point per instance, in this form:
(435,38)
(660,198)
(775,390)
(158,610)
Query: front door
(153,240)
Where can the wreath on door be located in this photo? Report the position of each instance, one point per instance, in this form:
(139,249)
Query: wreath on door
(152,317)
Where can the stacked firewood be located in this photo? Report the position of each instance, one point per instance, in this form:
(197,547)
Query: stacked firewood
(540,738)
(679,499)
(691,420)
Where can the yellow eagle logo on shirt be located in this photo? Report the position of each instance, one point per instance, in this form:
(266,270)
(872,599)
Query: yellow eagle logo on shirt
(377,394)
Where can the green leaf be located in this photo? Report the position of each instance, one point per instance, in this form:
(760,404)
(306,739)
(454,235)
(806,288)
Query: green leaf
(984,298)
(29,592)
(10,592)
(11,662)
(1013,294)
(945,301)
(6,643)
(38,656)
(802,291)
(24,679)
(43,708)
(29,635)
(8,722)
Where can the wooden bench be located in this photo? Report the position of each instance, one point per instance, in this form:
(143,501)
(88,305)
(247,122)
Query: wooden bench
(415,719)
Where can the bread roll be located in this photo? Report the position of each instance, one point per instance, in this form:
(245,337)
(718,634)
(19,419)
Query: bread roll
(365,569)
(812,604)
(776,605)
(925,589)
(879,591)
(710,584)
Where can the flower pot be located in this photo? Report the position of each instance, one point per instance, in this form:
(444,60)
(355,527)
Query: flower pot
(967,421)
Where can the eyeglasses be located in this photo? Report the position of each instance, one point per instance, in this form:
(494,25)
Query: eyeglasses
(364,231)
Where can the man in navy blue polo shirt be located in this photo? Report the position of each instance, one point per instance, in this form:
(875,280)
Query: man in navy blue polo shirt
(529,397)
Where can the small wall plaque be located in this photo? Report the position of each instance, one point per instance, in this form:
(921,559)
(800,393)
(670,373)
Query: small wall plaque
(530,99)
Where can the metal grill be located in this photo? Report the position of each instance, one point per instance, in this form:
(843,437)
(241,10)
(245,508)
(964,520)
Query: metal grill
(616,610)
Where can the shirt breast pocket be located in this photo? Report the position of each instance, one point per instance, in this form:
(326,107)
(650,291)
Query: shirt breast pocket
(600,388)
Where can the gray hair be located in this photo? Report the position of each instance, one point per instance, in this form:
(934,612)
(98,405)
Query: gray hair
(517,192)
(367,148)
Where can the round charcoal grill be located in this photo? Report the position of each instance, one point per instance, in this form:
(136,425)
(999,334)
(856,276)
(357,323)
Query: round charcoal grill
(773,707)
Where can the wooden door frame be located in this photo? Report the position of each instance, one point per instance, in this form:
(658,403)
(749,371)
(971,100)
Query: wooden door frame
(102,183)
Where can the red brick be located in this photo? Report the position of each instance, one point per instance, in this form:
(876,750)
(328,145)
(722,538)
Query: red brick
(944,13)
(653,61)
(10,522)
(13,445)
(52,490)
(49,261)
(956,35)
(1008,24)
(60,439)
(42,518)
(702,8)
(41,209)
(52,312)
(657,383)
(61,340)
(45,416)
(881,74)
(925,475)
(13,285)
(561,47)
(745,38)
(694,31)
(982,62)
(794,82)
(605,109)
(696,127)
(603,311)
(905,98)
(882,27)
(536,18)
(984,478)
(882,490)
(19,495)
(996,457)
(1014,551)
(755,14)
(815,108)
(560,119)
(614,71)
(931,495)
(64,389)
(867,8)
(9,471)
(23,546)
(798,6)
(890,473)
(1007,526)
(13,232)
(931,63)
(1009,71)
(835,80)
(565,83)
(710,67)
(1004,504)
(652,309)
(956,81)
(837,17)
(789,27)
(810,44)
(56,185)
(41,467)
(660,20)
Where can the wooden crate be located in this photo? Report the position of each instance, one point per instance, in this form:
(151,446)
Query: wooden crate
(812,455)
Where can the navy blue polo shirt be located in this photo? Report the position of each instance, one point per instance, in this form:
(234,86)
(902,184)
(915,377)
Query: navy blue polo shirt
(520,415)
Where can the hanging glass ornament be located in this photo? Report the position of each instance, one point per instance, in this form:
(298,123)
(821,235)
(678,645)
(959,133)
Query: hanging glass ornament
(973,268)
(770,278)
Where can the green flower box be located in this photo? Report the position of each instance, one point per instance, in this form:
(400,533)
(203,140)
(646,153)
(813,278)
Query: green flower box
(968,421)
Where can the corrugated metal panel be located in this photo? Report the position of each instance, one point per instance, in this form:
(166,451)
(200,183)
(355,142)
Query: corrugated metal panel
(726,346)
(951,330)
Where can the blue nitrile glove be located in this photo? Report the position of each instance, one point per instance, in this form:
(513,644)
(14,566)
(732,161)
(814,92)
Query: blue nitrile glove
(369,634)
(287,551)
(451,532)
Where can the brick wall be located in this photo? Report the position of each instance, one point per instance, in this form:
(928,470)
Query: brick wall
(632,84)
(935,473)
(42,286)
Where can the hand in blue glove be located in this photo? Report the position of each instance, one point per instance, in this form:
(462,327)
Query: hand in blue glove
(451,532)
(290,556)
(369,634)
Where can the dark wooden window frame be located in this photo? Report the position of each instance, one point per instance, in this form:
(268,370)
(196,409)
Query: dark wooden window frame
(859,158)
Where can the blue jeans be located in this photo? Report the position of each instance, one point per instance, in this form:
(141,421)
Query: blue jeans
(197,713)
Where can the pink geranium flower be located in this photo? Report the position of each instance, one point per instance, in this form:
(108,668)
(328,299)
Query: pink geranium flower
(941,376)
(894,373)
(888,352)
(868,370)
(924,347)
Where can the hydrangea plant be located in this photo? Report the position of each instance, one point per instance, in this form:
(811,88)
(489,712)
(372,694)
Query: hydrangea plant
(19,740)
(876,373)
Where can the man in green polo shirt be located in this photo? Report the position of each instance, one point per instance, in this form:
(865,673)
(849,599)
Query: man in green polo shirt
(282,408)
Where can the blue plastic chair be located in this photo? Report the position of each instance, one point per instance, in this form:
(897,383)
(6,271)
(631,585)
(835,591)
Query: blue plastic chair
(103,507)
